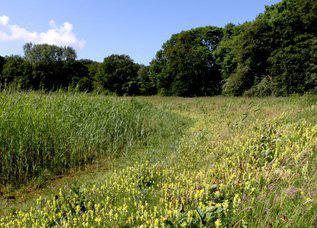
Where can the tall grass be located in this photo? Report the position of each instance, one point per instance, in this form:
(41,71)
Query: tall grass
(51,133)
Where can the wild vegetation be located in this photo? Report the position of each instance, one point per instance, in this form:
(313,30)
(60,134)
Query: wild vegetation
(273,55)
(242,162)
(47,134)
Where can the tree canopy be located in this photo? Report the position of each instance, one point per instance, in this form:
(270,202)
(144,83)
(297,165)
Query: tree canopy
(118,74)
(48,53)
(16,71)
(185,66)
(276,54)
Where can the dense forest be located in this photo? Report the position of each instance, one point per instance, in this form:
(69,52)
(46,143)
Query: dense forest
(276,54)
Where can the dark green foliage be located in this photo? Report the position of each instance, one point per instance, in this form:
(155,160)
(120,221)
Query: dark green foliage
(295,67)
(2,62)
(45,67)
(16,71)
(118,74)
(262,89)
(185,66)
(87,82)
(147,83)
(279,47)
(48,76)
(76,71)
(58,75)
(53,67)
(48,53)
(226,53)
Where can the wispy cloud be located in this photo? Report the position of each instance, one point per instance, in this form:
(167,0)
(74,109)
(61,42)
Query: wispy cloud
(59,35)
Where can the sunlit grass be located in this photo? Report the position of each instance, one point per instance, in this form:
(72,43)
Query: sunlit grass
(240,162)
(49,134)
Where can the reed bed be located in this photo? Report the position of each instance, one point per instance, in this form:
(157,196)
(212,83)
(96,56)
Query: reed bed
(51,133)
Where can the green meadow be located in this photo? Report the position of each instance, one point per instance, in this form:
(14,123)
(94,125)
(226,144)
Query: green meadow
(85,160)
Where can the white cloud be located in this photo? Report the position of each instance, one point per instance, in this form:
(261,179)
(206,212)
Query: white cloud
(4,20)
(61,36)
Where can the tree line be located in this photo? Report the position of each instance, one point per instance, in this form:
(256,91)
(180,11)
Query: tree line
(276,54)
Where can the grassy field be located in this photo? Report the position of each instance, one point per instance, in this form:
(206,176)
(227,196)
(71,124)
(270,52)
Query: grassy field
(153,161)
(44,135)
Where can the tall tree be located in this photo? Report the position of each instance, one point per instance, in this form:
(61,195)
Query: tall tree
(185,66)
(48,53)
(275,54)
(53,67)
(118,74)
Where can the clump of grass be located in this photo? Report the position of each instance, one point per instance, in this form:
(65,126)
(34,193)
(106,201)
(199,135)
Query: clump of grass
(52,133)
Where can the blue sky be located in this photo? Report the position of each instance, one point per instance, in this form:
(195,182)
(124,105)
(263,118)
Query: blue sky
(98,28)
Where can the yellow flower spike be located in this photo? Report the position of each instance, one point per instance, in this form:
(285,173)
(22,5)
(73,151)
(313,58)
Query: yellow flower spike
(218,223)
(308,200)
(98,220)
(156,222)
(77,208)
